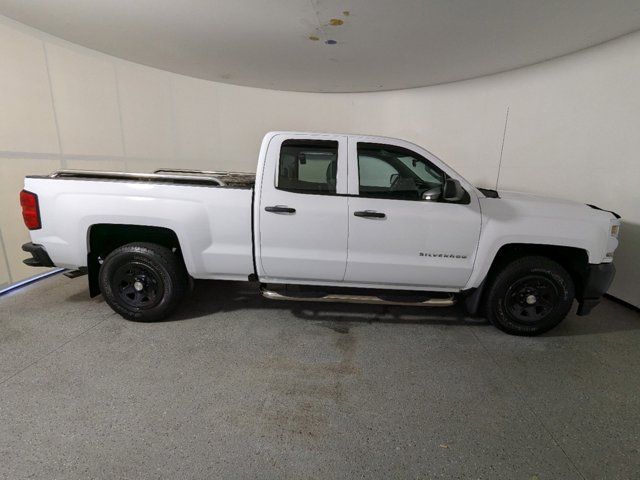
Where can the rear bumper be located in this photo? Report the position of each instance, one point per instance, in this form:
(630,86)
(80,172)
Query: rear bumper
(39,256)
(596,283)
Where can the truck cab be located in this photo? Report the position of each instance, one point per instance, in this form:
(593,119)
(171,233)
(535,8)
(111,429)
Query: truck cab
(362,211)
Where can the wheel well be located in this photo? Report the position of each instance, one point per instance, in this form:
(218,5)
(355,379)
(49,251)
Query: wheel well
(574,260)
(103,238)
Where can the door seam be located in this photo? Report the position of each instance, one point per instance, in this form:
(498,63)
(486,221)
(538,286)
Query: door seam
(346,263)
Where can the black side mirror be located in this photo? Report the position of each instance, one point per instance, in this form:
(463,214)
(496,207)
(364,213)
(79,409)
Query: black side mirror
(452,190)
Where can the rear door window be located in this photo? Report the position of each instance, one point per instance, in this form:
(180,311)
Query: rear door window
(308,166)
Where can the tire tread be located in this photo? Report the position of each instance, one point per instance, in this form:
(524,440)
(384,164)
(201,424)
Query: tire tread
(164,258)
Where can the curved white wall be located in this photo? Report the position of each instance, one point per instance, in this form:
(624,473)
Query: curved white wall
(566,128)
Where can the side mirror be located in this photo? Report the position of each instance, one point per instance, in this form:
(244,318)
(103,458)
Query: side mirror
(452,190)
(393,178)
(432,195)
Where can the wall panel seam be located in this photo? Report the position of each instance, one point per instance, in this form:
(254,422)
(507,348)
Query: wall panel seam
(6,257)
(119,105)
(504,136)
(172,117)
(53,103)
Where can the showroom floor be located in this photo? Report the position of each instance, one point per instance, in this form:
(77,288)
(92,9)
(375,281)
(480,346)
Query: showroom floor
(241,387)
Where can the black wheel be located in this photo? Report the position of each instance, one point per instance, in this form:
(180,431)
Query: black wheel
(530,296)
(143,281)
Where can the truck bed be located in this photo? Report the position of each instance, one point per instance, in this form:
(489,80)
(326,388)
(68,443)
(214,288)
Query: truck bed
(210,212)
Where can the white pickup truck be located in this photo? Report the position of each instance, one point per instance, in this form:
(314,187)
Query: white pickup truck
(327,217)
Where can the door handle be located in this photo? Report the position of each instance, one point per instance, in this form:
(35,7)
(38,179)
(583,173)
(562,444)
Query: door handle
(369,214)
(280,209)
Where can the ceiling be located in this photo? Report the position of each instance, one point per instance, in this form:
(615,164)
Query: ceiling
(332,45)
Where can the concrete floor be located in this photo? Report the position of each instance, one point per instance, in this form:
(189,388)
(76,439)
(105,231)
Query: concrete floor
(240,387)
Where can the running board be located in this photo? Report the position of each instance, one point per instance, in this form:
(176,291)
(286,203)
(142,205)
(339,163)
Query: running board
(369,299)
(76,273)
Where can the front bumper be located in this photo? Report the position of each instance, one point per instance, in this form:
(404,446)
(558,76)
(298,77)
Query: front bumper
(596,283)
(39,256)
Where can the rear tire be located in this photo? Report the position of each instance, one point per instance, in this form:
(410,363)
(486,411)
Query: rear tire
(143,282)
(530,296)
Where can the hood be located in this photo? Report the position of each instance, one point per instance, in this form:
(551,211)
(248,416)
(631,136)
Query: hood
(548,206)
(533,198)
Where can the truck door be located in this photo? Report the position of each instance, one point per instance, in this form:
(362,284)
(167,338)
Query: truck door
(401,233)
(302,210)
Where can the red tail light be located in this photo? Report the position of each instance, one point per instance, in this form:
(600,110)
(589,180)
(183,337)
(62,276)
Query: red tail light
(30,210)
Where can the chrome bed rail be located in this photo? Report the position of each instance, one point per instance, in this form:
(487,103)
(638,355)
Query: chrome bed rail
(230,179)
(202,172)
(140,177)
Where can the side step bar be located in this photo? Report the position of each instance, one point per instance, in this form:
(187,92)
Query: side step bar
(369,299)
(76,273)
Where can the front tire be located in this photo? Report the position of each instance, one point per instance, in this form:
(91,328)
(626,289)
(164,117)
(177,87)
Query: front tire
(530,296)
(143,282)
